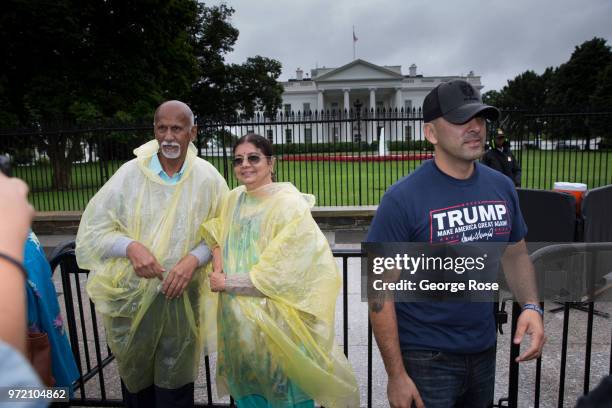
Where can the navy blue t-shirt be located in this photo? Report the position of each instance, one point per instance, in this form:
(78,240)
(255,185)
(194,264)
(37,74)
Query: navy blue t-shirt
(428,206)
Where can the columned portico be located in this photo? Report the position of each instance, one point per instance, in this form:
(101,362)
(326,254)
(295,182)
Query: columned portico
(398,98)
(372,98)
(320,101)
(378,88)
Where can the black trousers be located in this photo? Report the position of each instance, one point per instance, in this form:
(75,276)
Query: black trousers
(156,397)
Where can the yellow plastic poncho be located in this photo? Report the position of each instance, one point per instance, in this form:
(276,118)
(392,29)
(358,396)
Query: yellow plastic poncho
(155,341)
(280,346)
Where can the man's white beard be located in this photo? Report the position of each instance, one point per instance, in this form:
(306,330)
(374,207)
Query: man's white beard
(171,153)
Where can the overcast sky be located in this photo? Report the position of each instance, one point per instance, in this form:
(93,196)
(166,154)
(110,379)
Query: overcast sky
(497,39)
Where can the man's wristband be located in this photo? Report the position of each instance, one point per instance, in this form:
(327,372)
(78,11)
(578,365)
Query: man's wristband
(533,306)
(16,263)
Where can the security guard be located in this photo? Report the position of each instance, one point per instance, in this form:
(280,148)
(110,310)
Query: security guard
(500,158)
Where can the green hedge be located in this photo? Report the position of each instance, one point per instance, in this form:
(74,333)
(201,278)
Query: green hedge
(410,145)
(341,147)
(347,147)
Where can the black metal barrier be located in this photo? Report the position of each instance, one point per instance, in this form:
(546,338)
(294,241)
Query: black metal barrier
(552,217)
(83,328)
(554,253)
(93,359)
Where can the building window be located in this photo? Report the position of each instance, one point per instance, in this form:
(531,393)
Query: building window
(334,106)
(308,135)
(287,109)
(357,137)
(270,135)
(407,133)
(306,109)
(250,131)
(288,136)
(408,105)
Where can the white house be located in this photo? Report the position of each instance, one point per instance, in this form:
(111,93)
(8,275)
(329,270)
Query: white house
(337,90)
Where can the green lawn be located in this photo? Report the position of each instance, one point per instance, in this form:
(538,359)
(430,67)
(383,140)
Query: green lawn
(542,168)
(333,183)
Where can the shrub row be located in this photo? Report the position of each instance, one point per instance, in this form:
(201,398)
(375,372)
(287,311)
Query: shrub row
(346,147)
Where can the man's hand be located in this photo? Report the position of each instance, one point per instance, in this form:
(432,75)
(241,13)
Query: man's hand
(530,322)
(144,263)
(217,259)
(402,392)
(217,281)
(179,277)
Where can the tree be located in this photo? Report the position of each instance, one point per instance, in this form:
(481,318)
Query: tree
(493,98)
(257,88)
(224,90)
(579,85)
(72,62)
(601,100)
(214,37)
(527,91)
(100,59)
(576,80)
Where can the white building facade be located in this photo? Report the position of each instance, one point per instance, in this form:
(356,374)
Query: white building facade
(377,89)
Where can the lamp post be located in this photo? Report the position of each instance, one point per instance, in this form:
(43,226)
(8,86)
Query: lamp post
(358,106)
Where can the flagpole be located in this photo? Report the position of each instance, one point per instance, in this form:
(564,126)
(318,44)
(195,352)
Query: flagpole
(354,41)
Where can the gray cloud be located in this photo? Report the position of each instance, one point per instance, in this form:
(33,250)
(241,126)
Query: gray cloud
(496,39)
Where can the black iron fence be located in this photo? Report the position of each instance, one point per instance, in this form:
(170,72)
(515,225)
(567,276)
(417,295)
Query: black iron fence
(343,158)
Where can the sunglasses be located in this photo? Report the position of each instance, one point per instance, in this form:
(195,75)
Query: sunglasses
(251,158)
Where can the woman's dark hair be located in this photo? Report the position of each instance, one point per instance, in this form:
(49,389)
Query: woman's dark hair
(259,142)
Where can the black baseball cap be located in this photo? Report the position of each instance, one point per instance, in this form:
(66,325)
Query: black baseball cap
(456,101)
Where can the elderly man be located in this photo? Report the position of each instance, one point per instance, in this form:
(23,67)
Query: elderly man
(442,354)
(139,238)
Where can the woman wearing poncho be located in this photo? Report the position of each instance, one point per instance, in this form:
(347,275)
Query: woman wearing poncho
(278,289)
